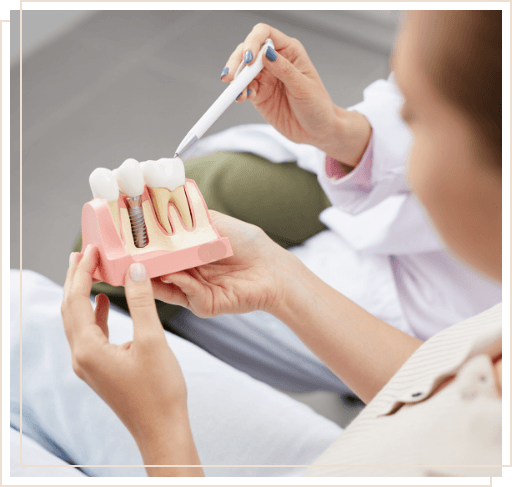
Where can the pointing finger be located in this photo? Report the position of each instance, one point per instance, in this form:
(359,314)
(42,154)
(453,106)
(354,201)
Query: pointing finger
(77,310)
(259,34)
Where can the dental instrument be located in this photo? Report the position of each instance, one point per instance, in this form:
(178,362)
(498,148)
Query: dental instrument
(243,76)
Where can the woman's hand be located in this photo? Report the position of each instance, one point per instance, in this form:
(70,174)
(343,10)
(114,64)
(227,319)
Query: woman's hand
(140,380)
(290,95)
(252,279)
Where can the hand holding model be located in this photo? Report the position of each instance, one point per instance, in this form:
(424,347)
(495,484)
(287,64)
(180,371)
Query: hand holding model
(290,95)
(140,380)
(249,280)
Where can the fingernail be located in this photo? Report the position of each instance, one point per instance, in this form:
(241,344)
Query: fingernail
(138,272)
(71,258)
(247,57)
(249,92)
(239,95)
(87,250)
(224,72)
(270,54)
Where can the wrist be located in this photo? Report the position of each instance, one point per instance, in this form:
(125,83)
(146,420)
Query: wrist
(152,439)
(289,273)
(173,447)
(349,137)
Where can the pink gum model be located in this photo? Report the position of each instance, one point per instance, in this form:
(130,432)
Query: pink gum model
(165,253)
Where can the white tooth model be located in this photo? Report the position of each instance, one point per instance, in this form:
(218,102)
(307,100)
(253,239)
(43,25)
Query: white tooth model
(104,185)
(165,179)
(131,182)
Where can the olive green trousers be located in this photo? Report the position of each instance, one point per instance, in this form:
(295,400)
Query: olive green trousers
(282,199)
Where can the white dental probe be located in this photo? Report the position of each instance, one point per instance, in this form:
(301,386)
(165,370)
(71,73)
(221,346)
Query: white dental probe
(243,76)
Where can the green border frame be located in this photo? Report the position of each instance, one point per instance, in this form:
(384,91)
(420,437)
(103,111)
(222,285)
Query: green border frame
(15,5)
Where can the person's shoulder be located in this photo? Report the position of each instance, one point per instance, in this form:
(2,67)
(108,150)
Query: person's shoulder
(450,348)
(483,326)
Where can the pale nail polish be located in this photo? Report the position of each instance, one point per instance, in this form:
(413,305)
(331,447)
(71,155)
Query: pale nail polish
(138,272)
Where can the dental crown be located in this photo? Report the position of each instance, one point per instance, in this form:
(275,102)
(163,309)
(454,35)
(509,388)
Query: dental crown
(164,173)
(130,178)
(103,184)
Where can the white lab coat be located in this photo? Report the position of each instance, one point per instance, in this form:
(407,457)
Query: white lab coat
(432,289)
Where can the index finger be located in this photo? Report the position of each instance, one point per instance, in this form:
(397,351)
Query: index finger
(253,42)
(77,299)
(259,34)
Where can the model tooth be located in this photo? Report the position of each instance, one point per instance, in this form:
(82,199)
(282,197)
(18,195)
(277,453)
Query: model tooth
(130,178)
(165,179)
(104,185)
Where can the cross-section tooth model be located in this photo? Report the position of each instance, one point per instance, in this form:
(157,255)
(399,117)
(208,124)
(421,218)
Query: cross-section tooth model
(165,179)
(131,182)
(163,224)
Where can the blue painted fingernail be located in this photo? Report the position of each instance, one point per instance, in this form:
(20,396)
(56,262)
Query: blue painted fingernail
(249,92)
(224,72)
(271,55)
(239,95)
(247,57)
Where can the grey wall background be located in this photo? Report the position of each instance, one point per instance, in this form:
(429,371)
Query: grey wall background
(99,87)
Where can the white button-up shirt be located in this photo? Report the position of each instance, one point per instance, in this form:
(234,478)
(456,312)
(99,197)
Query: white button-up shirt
(409,429)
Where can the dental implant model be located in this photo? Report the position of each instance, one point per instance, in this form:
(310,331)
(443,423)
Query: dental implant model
(131,182)
(163,224)
(165,179)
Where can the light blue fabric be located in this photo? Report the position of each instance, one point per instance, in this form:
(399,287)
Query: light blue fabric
(235,419)
(262,346)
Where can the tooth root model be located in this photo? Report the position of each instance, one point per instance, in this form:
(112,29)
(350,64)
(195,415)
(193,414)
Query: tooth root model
(164,253)
(165,179)
(131,182)
(103,184)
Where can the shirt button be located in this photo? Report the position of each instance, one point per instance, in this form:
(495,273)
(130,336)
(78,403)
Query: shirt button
(416,394)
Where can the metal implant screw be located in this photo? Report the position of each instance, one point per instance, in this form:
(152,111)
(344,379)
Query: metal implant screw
(140,237)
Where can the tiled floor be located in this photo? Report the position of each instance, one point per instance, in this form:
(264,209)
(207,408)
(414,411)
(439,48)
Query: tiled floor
(131,84)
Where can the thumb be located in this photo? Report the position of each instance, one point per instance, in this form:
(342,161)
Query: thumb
(141,303)
(283,70)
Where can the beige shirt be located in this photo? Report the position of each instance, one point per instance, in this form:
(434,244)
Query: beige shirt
(406,430)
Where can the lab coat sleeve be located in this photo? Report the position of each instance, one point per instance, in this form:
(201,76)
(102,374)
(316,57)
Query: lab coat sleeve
(392,220)
(383,172)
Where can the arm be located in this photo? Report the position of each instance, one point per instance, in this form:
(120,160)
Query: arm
(362,350)
(140,380)
(173,444)
(385,168)
(359,348)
